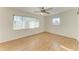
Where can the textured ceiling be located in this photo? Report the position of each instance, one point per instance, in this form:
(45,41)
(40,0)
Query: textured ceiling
(54,10)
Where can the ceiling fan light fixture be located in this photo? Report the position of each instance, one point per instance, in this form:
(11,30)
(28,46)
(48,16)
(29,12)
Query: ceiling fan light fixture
(43,14)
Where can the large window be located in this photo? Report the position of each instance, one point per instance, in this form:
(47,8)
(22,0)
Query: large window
(21,22)
(56,21)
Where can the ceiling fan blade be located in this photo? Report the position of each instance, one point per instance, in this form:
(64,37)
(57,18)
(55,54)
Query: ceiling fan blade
(49,9)
(45,8)
(47,12)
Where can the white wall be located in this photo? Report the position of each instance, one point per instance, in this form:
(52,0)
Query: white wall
(68,24)
(78,27)
(6,25)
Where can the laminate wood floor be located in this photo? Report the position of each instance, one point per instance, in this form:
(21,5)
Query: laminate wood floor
(41,42)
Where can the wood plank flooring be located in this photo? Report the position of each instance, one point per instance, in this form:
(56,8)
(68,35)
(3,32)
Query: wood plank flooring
(41,42)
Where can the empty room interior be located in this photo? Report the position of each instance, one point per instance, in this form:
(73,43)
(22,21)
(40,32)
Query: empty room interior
(39,29)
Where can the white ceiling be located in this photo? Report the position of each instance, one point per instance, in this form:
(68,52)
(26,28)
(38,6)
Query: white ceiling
(54,10)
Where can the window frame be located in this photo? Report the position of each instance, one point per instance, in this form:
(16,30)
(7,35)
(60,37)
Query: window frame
(55,24)
(37,19)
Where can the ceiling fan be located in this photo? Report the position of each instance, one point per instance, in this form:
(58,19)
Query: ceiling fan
(44,10)
(78,11)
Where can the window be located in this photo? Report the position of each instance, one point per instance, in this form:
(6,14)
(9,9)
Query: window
(33,24)
(56,21)
(18,22)
(21,22)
